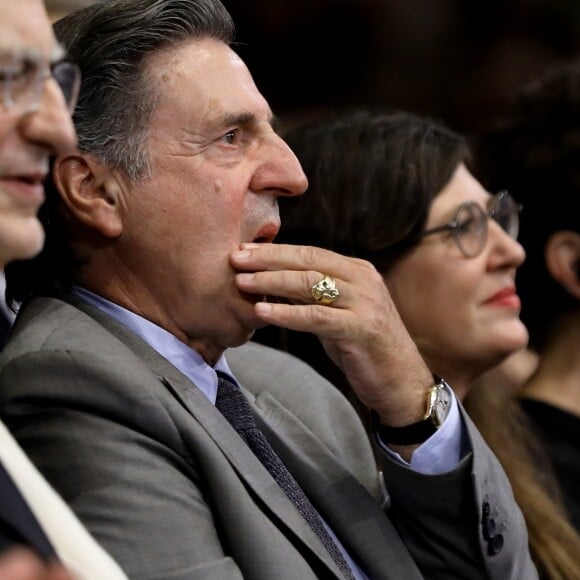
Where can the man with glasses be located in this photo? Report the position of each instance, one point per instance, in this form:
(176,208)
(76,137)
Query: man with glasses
(188,464)
(38,90)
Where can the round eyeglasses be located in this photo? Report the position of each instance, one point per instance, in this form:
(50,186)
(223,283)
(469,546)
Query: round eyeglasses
(469,226)
(22,82)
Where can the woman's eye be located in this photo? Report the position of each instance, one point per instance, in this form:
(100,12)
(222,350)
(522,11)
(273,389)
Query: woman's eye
(465,226)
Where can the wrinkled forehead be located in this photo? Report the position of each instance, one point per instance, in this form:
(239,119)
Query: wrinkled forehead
(25,30)
(205,80)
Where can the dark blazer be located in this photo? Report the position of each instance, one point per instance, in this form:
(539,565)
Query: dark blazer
(168,487)
(18,526)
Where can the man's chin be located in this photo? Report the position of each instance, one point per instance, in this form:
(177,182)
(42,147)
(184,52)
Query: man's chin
(250,322)
(259,324)
(254,323)
(242,338)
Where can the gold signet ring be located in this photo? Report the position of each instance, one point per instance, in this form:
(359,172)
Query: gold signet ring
(325,292)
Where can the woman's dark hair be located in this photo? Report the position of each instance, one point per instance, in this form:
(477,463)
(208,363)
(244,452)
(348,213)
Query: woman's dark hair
(372,178)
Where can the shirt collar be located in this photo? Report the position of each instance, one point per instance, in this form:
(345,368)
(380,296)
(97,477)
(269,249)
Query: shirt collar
(185,359)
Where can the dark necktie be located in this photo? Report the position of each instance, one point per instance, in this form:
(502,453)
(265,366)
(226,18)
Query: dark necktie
(235,408)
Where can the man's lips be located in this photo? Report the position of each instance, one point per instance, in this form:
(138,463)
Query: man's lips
(266,233)
(25,190)
(506,298)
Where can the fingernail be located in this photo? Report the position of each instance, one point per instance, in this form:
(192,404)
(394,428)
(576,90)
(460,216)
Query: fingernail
(241,255)
(263,308)
(249,245)
(244,278)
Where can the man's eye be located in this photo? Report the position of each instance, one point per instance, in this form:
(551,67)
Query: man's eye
(230,137)
(9,72)
(17,71)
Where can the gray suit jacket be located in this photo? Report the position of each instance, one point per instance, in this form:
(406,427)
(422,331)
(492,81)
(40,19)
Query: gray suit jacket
(167,486)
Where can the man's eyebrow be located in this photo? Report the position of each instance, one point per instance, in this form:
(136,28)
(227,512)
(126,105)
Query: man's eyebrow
(19,51)
(245,118)
(33,54)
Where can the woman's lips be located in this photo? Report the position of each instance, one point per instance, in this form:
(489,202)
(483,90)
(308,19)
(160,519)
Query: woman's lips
(506,298)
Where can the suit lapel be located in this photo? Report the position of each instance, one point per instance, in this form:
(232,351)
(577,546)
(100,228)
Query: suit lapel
(346,504)
(222,433)
(251,470)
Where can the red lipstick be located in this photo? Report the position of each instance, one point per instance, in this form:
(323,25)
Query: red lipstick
(506,298)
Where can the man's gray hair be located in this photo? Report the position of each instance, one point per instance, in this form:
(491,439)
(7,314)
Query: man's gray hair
(67,6)
(112,43)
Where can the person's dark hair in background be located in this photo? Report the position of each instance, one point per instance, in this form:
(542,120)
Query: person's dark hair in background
(373,178)
(110,117)
(536,155)
(407,159)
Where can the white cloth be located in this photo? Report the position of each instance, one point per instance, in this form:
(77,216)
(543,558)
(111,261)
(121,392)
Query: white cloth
(3,306)
(76,548)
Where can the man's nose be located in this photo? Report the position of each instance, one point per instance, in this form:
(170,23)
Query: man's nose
(50,125)
(280,173)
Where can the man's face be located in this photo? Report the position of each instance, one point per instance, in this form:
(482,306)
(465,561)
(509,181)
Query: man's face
(218,169)
(27,137)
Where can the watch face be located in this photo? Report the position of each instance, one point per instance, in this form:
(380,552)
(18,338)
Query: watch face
(441,405)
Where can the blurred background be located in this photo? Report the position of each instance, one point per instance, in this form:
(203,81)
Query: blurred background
(460,61)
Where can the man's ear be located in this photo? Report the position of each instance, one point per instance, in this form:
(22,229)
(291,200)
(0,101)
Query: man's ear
(90,192)
(562,256)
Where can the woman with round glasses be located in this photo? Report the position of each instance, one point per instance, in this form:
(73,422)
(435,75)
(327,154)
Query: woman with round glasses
(395,189)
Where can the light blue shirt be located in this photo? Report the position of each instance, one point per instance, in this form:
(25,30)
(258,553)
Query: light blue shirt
(439,454)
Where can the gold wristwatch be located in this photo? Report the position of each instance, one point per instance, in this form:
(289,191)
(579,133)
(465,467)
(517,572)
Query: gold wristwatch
(438,404)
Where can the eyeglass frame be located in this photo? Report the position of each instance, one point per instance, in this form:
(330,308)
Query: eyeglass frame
(34,86)
(453,226)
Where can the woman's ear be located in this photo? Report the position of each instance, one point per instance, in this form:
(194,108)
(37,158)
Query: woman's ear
(90,192)
(562,256)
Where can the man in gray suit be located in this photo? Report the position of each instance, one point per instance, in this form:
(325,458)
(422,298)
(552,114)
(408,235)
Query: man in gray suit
(191,453)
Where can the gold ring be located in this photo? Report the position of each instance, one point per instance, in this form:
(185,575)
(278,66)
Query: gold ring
(325,292)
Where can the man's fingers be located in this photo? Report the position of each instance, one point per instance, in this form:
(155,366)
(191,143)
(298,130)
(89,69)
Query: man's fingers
(257,257)
(320,320)
(294,286)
